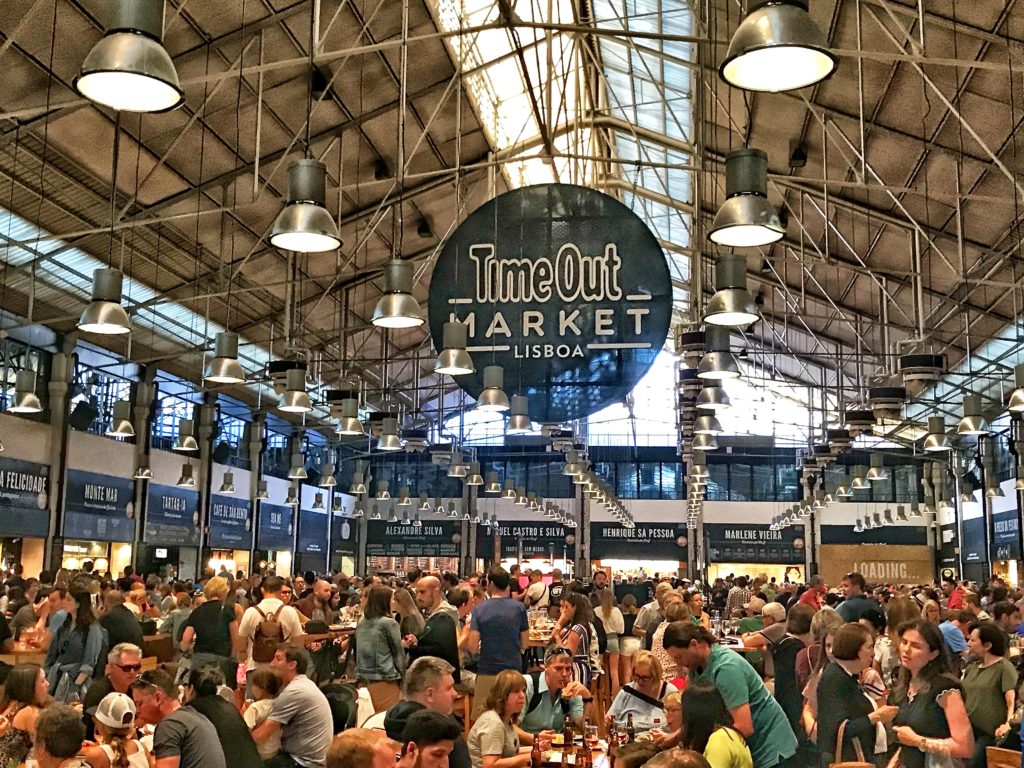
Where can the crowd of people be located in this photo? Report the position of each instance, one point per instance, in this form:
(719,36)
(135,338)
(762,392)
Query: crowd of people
(740,673)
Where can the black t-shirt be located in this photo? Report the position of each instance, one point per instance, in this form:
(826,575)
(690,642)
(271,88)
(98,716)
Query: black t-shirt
(211,622)
(5,631)
(514,583)
(121,626)
(99,688)
(235,738)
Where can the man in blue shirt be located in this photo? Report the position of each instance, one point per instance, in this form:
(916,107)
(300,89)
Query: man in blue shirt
(556,696)
(856,603)
(955,630)
(499,630)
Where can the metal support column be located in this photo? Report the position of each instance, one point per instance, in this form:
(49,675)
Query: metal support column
(61,372)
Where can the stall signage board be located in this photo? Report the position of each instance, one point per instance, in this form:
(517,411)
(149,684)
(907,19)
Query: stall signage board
(910,535)
(276,527)
(436,538)
(752,543)
(973,544)
(100,507)
(879,563)
(644,541)
(527,541)
(564,287)
(343,534)
(230,523)
(313,531)
(24,498)
(172,516)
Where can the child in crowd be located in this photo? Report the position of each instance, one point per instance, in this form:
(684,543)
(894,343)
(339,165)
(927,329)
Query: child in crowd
(265,686)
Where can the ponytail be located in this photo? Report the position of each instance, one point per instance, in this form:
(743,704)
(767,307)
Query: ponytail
(118,743)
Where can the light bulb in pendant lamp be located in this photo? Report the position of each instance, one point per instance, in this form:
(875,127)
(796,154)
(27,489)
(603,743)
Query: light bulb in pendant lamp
(519,422)
(104,314)
(297,471)
(745,220)
(186,480)
(718,361)
(262,491)
(389,439)
(295,399)
(473,476)
(973,422)
(1016,403)
(305,225)
(732,305)
(877,469)
(937,441)
(25,398)
(454,360)
(348,422)
(777,47)
(121,423)
(398,308)
(493,397)
(129,69)
(358,487)
(142,469)
(492,486)
(227,485)
(224,367)
(186,440)
(327,479)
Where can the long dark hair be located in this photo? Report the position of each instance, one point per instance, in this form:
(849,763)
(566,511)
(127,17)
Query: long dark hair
(21,686)
(378,602)
(84,616)
(940,665)
(582,612)
(704,711)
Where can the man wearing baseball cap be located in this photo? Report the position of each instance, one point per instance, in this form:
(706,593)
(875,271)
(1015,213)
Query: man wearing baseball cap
(774,617)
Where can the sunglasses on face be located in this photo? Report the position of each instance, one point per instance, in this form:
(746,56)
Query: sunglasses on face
(129,667)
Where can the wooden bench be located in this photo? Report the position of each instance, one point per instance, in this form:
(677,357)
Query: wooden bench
(997,757)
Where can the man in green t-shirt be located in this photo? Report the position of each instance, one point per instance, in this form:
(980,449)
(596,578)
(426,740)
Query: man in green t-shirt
(755,714)
(753,622)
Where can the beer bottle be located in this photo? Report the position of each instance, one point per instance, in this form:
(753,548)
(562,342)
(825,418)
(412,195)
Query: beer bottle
(584,758)
(630,729)
(536,756)
(567,732)
(566,752)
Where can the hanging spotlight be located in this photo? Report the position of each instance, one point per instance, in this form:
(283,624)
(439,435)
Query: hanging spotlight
(698,469)
(128,69)
(745,220)
(718,362)
(327,479)
(416,522)
(391,515)
(227,484)
(375,513)
(707,424)
(25,398)
(859,483)
(295,399)
(262,494)
(349,423)
(318,500)
(474,477)
(406,519)
(359,511)
(777,47)
(510,491)
(519,422)
(398,308)
(186,480)
(439,506)
(915,510)
(292,499)
(994,492)
(732,305)
(358,487)
(1016,404)
(493,397)
(297,471)
(403,497)
(121,424)
(712,397)
(843,492)
(453,359)
(453,513)
(973,422)
(186,440)
(493,486)
(456,468)
(104,313)
(877,469)
(425,503)
(521,496)
(937,440)
(389,439)
(142,470)
(304,225)
(224,367)
(382,491)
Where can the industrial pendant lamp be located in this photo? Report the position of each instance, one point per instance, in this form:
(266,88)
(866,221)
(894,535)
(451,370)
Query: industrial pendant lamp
(349,423)
(973,422)
(457,466)
(104,313)
(294,399)
(937,440)
(227,485)
(474,477)
(521,500)
(129,69)
(382,491)
(453,359)
(777,47)
(327,479)
(403,497)
(304,225)
(731,305)
(358,487)
(718,362)
(712,397)
(707,424)
(318,500)
(262,492)
(453,513)
(224,367)
(704,442)
(25,398)
(389,439)
(142,469)
(859,483)
(1016,404)
(493,486)
(292,499)
(424,503)
(698,469)
(519,422)
(358,511)
(297,471)
(186,480)
(186,440)
(877,469)
(745,220)
(121,423)
(510,491)
(397,308)
(493,397)
(406,519)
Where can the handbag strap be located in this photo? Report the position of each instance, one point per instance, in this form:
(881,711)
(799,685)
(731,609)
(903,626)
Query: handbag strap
(839,744)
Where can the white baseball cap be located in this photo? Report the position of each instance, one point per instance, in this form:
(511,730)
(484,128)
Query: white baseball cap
(116,710)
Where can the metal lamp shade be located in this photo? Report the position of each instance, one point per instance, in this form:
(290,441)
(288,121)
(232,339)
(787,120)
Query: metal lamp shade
(493,486)
(187,480)
(128,69)
(292,499)
(453,359)
(1016,404)
(521,496)
(358,511)
(121,423)
(718,362)
(389,439)
(859,484)
(318,501)
(707,424)
(493,397)
(474,477)
(104,314)
(510,491)
(425,505)
(705,441)
(453,513)
(994,492)
(349,423)
(227,485)
(298,470)
(224,367)
(186,440)
(519,422)
(327,479)
(304,225)
(294,399)
(398,308)
(712,396)
(937,441)
(973,422)
(777,47)
(262,493)
(843,492)
(732,307)
(746,219)
(456,468)
(358,487)
(382,491)
(877,469)
(403,497)
(25,398)
(143,470)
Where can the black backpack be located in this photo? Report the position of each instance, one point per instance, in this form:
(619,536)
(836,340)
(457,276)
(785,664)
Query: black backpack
(344,701)
(538,694)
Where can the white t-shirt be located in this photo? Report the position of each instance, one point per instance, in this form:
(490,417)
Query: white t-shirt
(256,714)
(289,618)
(537,595)
(614,623)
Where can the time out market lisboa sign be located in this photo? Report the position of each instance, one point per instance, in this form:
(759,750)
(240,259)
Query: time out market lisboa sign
(562,286)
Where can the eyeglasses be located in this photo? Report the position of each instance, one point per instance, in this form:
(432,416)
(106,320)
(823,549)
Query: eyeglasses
(129,667)
(643,678)
(556,652)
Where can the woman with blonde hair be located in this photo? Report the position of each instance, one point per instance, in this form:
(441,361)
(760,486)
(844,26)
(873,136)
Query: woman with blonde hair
(410,620)
(115,728)
(611,618)
(931,612)
(644,697)
(493,741)
(675,610)
(629,643)
(210,632)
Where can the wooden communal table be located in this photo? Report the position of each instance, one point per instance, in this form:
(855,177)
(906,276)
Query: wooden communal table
(538,640)
(160,645)
(23,654)
(599,757)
